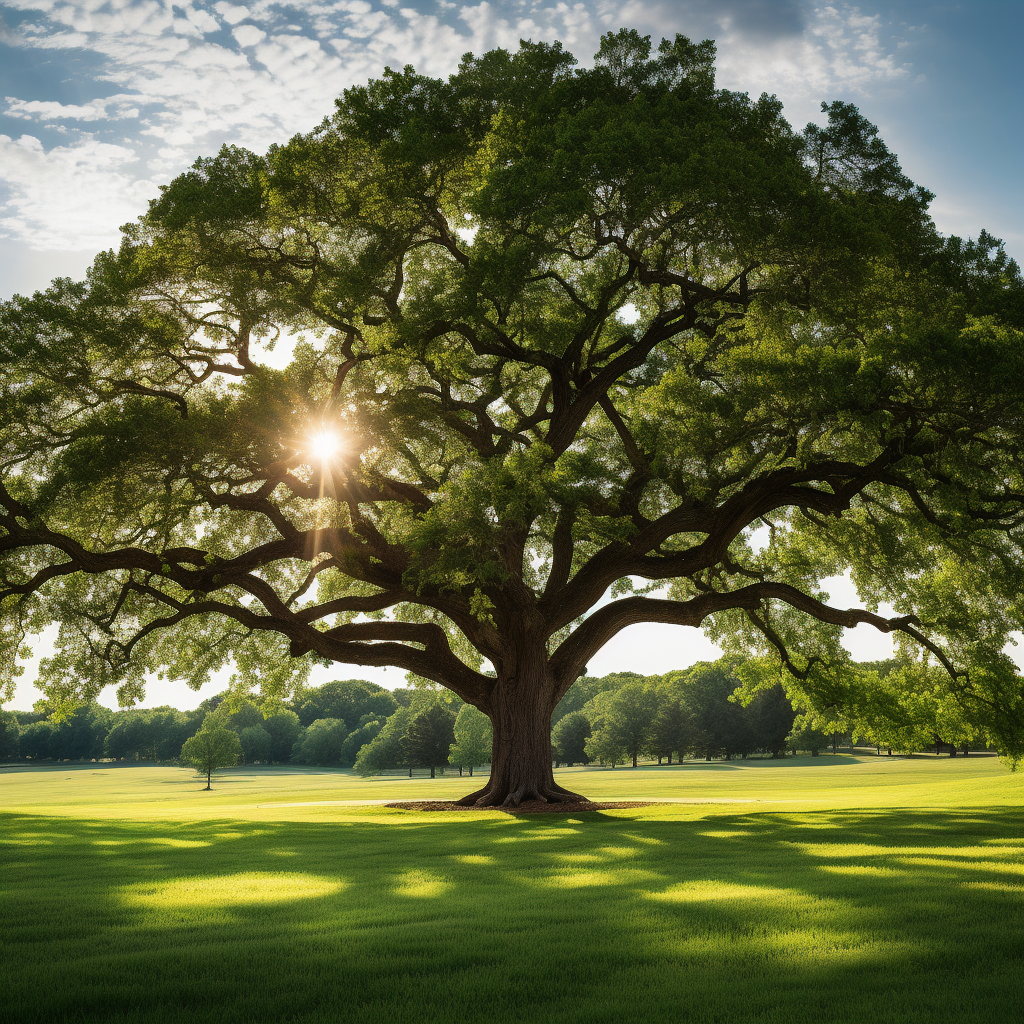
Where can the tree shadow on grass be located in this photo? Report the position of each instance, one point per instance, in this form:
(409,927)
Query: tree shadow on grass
(887,915)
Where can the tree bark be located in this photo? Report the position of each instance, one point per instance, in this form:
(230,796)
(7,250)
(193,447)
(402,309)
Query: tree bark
(521,761)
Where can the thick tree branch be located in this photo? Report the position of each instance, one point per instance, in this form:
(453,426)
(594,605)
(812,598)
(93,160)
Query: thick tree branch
(575,651)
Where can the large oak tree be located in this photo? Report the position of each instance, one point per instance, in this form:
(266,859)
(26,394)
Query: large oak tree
(560,335)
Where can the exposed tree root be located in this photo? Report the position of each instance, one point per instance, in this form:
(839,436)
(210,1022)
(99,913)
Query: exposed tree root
(526,807)
(499,796)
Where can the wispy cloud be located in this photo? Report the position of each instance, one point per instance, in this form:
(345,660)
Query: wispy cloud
(70,197)
(111,108)
(194,76)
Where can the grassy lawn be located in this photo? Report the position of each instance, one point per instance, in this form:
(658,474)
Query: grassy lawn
(824,889)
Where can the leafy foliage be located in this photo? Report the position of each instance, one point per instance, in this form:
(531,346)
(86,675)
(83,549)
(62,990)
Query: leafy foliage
(472,745)
(348,699)
(284,728)
(569,738)
(623,723)
(387,748)
(322,742)
(213,746)
(10,736)
(256,744)
(673,730)
(430,738)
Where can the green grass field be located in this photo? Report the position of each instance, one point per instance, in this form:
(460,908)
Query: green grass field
(817,889)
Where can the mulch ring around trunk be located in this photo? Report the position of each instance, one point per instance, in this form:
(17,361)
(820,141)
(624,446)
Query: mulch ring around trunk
(526,807)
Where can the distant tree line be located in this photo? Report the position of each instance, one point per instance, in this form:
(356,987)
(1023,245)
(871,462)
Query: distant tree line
(612,720)
(623,717)
(323,725)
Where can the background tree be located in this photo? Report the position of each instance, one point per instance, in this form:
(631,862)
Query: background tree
(387,748)
(365,732)
(586,688)
(245,716)
(284,728)
(167,729)
(348,699)
(155,734)
(128,738)
(472,744)
(256,744)
(429,739)
(80,735)
(720,725)
(556,330)
(569,738)
(770,718)
(34,740)
(10,736)
(213,746)
(628,717)
(805,737)
(605,746)
(672,730)
(322,742)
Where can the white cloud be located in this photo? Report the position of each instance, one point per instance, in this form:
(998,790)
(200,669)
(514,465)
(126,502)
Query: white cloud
(203,21)
(249,35)
(231,13)
(72,197)
(113,107)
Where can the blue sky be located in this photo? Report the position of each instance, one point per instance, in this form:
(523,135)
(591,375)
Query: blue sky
(102,101)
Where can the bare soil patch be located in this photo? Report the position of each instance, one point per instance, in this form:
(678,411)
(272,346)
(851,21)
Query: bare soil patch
(527,807)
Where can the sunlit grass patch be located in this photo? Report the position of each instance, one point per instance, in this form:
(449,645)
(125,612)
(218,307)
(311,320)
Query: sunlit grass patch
(867,870)
(178,844)
(713,890)
(1016,889)
(578,879)
(231,890)
(421,884)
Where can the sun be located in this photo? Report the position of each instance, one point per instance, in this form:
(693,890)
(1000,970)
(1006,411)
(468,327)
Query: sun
(324,445)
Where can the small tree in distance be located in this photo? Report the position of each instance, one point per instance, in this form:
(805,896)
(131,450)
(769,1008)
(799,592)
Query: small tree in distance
(214,746)
(806,737)
(322,742)
(569,738)
(629,715)
(770,716)
(472,744)
(387,748)
(673,729)
(430,737)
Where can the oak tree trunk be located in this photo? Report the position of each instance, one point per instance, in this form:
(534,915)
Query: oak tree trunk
(521,762)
